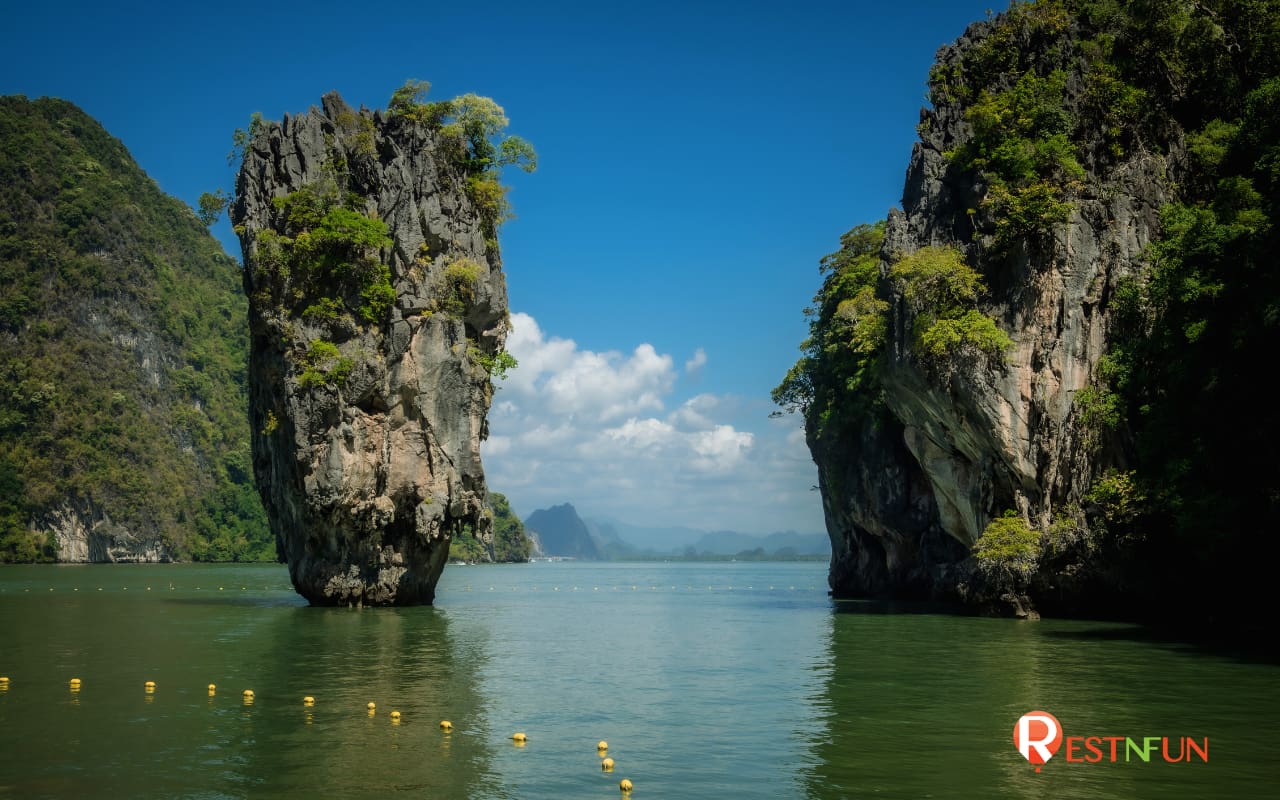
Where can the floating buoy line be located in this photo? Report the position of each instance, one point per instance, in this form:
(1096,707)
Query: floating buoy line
(519,738)
(636,588)
(495,589)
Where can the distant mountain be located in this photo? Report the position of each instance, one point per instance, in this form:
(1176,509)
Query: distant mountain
(561,532)
(655,540)
(608,541)
(731,542)
(620,539)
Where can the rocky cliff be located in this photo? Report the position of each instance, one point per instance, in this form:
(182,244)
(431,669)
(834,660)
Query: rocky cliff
(378,308)
(969,388)
(979,435)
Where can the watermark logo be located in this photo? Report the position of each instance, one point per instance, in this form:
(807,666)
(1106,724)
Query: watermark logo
(1037,735)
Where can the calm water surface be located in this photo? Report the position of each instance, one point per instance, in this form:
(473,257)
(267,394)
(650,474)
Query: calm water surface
(708,680)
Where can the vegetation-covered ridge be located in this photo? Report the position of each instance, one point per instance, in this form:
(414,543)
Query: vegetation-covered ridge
(122,353)
(1042,114)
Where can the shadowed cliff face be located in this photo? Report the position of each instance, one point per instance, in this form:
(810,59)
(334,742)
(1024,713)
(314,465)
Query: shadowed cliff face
(376,299)
(906,497)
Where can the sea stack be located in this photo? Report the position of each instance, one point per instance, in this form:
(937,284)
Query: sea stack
(377,309)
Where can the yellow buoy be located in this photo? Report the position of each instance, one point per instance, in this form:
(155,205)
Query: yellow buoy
(519,738)
(624,785)
(371,706)
(75,681)
(150,684)
(308,701)
(602,745)
(3,679)
(607,765)
(248,693)
(446,725)
(395,716)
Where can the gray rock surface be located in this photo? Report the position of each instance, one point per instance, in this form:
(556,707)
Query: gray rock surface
(905,502)
(366,482)
(85,533)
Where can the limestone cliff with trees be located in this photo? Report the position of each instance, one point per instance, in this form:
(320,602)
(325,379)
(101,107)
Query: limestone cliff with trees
(1034,388)
(378,313)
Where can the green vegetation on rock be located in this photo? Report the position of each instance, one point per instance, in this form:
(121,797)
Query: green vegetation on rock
(836,381)
(324,262)
(1073,132)
(122,363)
(510,542)
(473,129)
(1008,545)
(942,290)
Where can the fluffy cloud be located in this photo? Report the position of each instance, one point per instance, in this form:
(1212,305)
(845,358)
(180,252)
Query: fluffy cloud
(605,431)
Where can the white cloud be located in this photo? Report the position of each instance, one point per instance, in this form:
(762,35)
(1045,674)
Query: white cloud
(593,428)
(696,363)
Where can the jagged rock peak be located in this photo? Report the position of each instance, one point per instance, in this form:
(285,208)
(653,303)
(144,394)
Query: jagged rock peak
(377,306)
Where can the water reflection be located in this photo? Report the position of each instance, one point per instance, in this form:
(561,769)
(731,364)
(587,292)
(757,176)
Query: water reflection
(114,738)
(920,705)
(402,660)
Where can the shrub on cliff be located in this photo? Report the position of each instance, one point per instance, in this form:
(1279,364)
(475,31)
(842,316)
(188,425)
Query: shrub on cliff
(836,379)
(1008,544)
(473,128)
(942,292)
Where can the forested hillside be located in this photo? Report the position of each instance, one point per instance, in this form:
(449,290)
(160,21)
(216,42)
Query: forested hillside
(123,432)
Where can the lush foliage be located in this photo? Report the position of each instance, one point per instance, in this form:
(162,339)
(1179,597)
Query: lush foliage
(941,290)
(1196,330)
(473,129)
(510,542)
(461,275)
(122,368)
(322,261)
(324,365)
(1032,124)
(836,380)
(465,546)
(212,204)
(496,365)
(1008,544)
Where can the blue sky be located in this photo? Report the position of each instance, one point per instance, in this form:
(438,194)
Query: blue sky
(696,160)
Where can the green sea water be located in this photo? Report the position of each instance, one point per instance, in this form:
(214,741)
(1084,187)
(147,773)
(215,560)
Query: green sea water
(732,680)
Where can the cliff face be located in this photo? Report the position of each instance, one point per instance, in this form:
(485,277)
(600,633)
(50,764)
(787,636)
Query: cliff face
(377,303)
(122,350)
(908,494)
